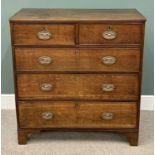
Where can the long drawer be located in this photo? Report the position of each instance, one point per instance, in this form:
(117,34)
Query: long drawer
(44,34)
(110,34)
(78,86)
(83,59)
(77,115)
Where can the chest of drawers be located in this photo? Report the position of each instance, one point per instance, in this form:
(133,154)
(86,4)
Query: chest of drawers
(77,70)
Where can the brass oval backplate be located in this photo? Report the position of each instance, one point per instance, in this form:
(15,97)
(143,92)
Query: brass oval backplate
(108,60)
(107,115)
(109,34)
(44,34)
(46,87)
(45,60)
(108,87)
(47,115)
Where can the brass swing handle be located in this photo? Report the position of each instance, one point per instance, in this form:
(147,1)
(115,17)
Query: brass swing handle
(46,87)
(44,34)
(47,115)
(109,87)
(107,115)
(45,60)
(108,60)
(109,34)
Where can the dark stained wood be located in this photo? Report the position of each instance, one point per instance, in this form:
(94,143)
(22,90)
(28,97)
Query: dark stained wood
(78,86)
(70,59)
(77,73)
(77,115)
(140,80)
(22,137)
(14,75)
(60,34)
(132,138)
(58,15)
(126,34)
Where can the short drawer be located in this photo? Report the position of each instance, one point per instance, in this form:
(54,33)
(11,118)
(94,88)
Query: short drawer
(110,34)
(69,59)
(50,34)
(78,86)
(69,114)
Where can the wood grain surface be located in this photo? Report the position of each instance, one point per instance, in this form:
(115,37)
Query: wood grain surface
(71,15)
(78,86)
(125,34)
(77,115)
(27,34)
(73,59)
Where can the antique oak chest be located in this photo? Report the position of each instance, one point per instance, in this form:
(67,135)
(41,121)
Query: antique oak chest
(77,70)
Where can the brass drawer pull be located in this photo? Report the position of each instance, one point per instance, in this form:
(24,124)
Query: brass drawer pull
(108,87)
(46,87)
(107,115)
(45,60)
(44,34)
(108,60)
(47,115)
(109,34)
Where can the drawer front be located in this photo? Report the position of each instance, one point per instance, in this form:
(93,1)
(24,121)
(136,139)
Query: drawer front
(78,86)
(44,34)
(68,59)
(77,115)
(110,34)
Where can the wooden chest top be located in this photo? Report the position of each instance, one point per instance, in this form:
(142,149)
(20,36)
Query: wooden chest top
(73,15)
